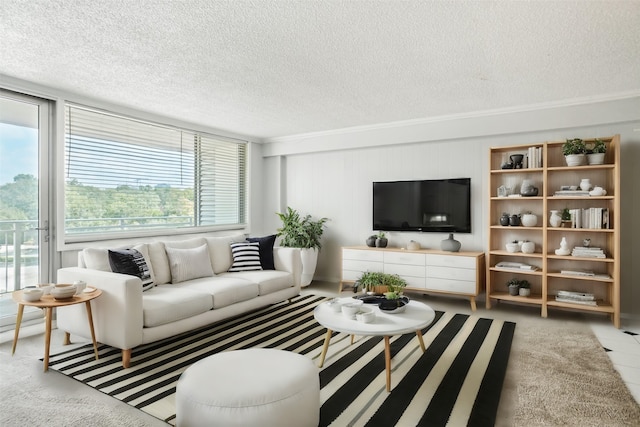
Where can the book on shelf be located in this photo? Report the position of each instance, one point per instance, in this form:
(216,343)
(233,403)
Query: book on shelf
(588,252)
(573,301)
(534,157)
(571,193)
(576,272)
(576,295)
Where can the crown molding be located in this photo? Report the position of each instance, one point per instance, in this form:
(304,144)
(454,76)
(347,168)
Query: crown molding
(578,112)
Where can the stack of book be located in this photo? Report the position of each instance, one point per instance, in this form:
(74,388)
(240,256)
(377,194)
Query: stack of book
(576,297)
(571,193)
(534,157)
(588,252)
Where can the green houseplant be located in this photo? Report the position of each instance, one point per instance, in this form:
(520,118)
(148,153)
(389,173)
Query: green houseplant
(566,218)
(574,151)
(596,152)
(302,232)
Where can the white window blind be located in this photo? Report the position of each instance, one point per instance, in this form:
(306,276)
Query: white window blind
(124,174)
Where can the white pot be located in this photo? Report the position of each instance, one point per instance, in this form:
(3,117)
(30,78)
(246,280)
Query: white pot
(595,158)
(529,220)
(528,247)
(524,292)
(575,159)
(555,220)
(309,259)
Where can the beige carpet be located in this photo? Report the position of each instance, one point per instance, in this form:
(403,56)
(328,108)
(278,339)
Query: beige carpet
(559,375)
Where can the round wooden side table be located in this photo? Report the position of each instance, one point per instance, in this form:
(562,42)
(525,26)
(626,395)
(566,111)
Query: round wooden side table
(48,303)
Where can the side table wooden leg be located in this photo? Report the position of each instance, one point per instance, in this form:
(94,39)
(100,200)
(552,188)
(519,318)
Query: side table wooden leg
(387,362)
(327,338)
(420,340)
(15,334)
(93,334)
(47,337)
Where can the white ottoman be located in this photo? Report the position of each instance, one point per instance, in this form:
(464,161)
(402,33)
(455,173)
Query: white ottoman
(253,387)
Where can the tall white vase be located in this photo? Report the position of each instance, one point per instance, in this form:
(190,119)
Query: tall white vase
(309,262)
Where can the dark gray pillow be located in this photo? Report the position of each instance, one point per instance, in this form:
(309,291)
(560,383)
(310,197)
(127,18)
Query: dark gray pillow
(131,261)
(266,250)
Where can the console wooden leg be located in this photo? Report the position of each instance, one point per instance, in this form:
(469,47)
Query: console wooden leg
(126,358)
(67,339)
(473,303)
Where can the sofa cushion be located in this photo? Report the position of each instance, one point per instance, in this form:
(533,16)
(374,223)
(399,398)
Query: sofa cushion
(98,258)
(165,304)
(266,250)
(220,252)
(225,291)
(188,264)
(132,262)
(246,256)
(268,280)
(159,263)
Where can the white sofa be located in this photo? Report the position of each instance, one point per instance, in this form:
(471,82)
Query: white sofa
(125,316)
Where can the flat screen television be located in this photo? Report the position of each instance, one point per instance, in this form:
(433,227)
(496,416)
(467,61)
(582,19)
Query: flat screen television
(434,205)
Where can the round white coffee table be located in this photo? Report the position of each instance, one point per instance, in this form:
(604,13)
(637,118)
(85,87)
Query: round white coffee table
(415,317)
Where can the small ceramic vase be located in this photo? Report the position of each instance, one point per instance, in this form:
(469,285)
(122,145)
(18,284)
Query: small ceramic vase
(529,220)
(504,219)
(450,244)
(528,247)
(585,184)
(514,220)
(555,220)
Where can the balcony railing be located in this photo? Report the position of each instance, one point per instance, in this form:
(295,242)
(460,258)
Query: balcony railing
(19,251)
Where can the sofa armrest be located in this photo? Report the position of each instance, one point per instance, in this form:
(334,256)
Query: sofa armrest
(117,313)
(288,259)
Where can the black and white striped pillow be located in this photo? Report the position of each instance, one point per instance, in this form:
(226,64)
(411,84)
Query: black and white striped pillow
(246,256)
(131,261)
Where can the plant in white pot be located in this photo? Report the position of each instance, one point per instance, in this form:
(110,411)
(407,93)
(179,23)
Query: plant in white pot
(574,151)
(596,152)
(304,233)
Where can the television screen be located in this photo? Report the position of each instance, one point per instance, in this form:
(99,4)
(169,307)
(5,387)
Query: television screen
(437,205)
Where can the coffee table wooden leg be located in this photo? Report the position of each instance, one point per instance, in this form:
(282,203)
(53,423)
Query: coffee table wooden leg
(327,338)
(47,337)
(93,334)
(420,340)
(15,334)
(387,362)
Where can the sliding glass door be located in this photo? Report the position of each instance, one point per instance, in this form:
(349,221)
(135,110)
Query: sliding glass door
(24,192)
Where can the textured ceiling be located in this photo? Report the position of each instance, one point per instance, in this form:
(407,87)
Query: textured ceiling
(275,68)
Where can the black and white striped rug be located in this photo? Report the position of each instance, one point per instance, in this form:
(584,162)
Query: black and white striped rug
(457,381)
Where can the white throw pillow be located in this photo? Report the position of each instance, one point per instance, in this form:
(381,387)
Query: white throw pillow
(246,256)
(96,259)
(187,264)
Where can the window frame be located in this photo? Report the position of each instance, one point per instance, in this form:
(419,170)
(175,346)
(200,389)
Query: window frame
(68,241)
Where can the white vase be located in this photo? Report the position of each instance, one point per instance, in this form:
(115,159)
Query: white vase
(524,292)
(585,184)
(528,247)
(529,220)
(555,220)
(309,259)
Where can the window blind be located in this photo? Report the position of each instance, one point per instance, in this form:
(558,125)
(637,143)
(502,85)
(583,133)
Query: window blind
(123,174)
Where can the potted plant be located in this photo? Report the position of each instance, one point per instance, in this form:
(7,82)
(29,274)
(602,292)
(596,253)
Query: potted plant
(371,282)
(574,151)
(566,218)
(304,233)
(514,286)
(596,152)
(525,288)
(394,301)
(381,241)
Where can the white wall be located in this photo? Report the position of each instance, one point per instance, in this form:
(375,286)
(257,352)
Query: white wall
(337,183)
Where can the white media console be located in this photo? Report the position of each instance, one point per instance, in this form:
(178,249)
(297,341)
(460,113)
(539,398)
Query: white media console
(425,270)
